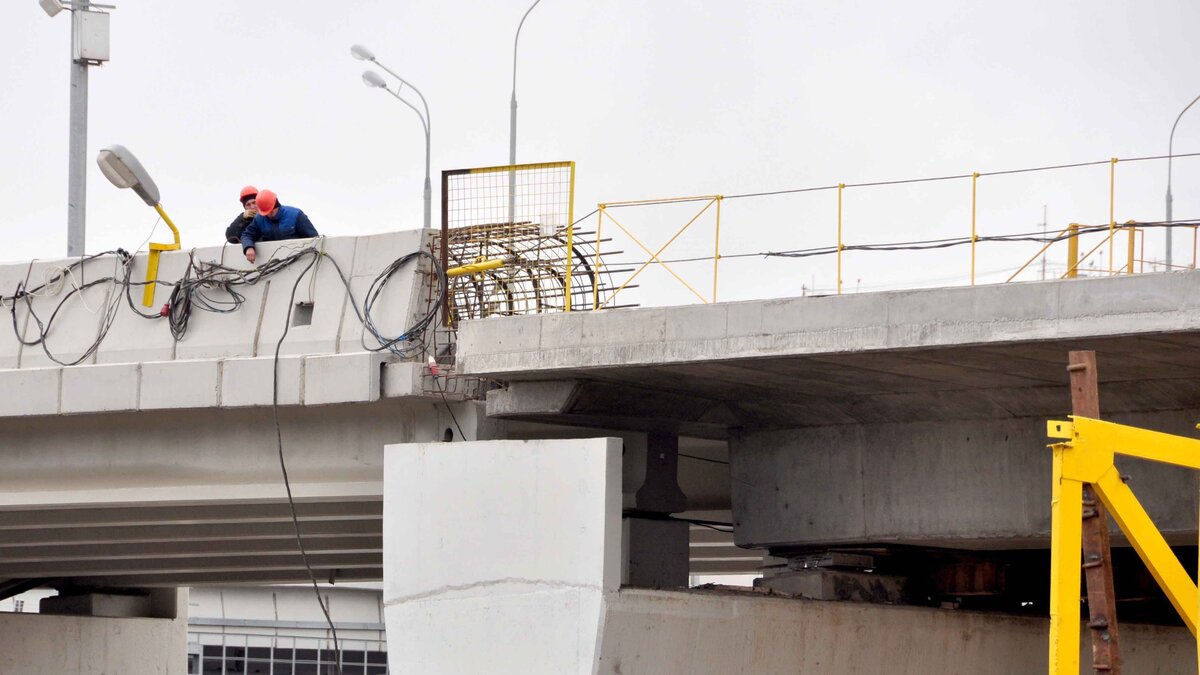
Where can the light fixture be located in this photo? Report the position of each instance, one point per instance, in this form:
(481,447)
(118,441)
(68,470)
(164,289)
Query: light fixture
(123,170)
(373,79)
(51,7)
(362,53)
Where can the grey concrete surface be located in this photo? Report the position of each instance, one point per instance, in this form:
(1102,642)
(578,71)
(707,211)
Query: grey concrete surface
(912,417)
(938,354)
(650,631)
(966,484)
(41,644)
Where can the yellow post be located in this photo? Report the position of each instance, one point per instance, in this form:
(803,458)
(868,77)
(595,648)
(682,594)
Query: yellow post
(596,265)
(152,260)
(1066,537)
(974,180)
(1132,238)
(717,247)
(1195,229)
(571,241)
(1112,220)
(1073,251)
(841,186)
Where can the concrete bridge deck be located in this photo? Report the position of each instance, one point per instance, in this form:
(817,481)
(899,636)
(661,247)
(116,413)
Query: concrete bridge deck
(913,417)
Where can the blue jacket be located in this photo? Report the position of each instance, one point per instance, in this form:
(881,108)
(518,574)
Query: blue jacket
(289,223)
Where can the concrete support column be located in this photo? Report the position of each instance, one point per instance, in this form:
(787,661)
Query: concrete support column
(138,633)
(656,548)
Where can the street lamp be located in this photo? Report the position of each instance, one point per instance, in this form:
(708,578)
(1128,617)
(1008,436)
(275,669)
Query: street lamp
(123,170)
(375,81)
(512,111)
(89,46)
(512,122)
(1170,153)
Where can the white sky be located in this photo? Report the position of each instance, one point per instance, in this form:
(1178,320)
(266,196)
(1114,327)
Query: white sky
(652,99)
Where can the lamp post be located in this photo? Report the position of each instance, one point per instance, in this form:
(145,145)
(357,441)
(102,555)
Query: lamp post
(124,171)
(1170,153)
(89,46)
(374,80)
(512,121)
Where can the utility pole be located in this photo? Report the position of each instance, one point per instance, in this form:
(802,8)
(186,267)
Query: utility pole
(77,151)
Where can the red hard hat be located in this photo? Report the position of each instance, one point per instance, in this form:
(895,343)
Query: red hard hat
(248,192)
(267,201)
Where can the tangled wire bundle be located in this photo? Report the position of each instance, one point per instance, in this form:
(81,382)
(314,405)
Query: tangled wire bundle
(210,287)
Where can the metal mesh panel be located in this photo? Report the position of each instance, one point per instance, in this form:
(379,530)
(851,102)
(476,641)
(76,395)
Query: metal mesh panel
(520,217)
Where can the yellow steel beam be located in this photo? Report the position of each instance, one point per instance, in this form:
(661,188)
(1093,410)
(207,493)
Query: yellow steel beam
(1095,435)
(1150,545)
(1085,455)
(1066,534)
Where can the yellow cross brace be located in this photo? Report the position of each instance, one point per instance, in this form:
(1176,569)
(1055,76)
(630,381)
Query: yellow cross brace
(1085,455)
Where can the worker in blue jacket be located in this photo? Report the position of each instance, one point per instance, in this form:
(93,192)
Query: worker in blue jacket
(275,222)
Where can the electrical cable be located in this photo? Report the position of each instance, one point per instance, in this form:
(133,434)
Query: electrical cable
(704,459)
(656,515)
(283,463)
(450,410)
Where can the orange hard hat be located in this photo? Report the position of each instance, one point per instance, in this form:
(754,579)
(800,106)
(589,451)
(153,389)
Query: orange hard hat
(267,201)
(248,192)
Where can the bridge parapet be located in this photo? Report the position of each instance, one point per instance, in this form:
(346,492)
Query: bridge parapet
(98,355)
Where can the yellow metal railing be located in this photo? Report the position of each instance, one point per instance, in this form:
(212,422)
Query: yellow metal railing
(1070,235)
(602,212)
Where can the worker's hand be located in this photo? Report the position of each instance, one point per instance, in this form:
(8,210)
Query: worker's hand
(250,255)
(250,213)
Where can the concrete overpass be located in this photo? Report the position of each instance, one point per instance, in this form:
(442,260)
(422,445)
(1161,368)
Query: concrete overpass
(902,426)
(908,426)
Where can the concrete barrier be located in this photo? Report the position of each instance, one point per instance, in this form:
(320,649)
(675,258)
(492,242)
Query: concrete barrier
(506,566)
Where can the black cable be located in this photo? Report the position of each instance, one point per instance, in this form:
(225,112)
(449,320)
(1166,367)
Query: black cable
(657,515)
(704,459)
(961,176)
(450,410)
(283,464)
(927,244)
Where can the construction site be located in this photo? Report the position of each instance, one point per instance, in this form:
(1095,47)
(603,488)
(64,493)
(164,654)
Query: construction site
(538,434)
(480,418)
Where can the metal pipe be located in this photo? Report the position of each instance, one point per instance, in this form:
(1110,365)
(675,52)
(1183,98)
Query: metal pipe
(425,122)
(717,247)
(974,181)
(512,119)
(1132,243)
(77,150)
(596,265)
(1170,154)
(1073,251)
(1112,221)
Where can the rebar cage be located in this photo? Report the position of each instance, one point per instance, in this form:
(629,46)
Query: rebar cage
(516,223)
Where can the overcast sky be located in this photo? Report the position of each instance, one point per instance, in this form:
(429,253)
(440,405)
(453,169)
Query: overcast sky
(652,99)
